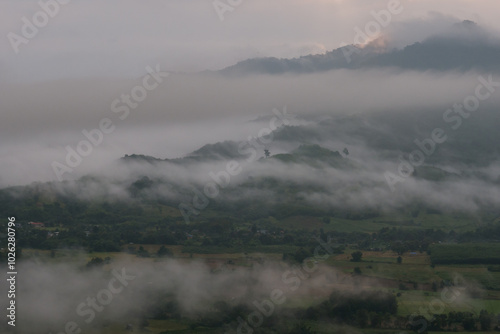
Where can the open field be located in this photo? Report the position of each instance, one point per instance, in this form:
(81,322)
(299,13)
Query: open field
(416,284)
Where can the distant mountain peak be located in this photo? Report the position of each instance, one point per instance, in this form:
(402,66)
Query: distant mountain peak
(467,24)
(465,46)
(221,150)
(141,158)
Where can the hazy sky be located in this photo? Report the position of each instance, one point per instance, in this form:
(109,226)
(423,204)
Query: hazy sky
(121,37)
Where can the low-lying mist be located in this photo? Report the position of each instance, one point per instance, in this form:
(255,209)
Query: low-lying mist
(187,112)
(51,295)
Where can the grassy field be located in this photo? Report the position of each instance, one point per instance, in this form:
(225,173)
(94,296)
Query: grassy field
(412,301)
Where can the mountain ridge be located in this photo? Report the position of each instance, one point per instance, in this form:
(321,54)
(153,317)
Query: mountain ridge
(467,47)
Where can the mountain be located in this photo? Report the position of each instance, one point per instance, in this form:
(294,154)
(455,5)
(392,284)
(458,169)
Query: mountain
(466,47)
(386,134)
(225,150)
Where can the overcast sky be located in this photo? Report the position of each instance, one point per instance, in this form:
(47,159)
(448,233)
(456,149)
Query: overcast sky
(120,37)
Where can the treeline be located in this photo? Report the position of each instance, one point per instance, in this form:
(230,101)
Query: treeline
(465,253)
(225,235)
(368,308)
(363,309)
(454,321)
(490,232)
